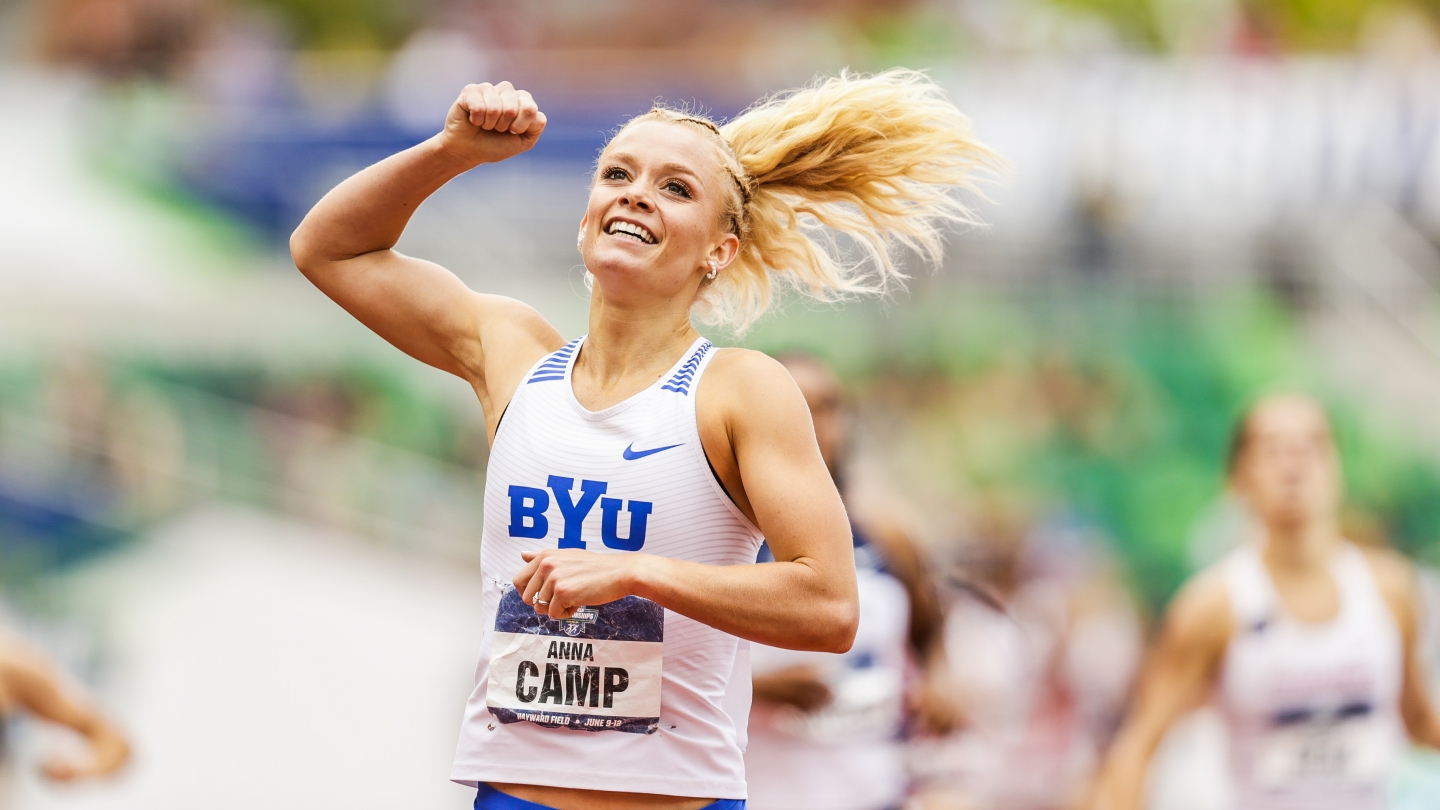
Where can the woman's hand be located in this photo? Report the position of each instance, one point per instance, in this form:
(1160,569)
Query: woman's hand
(491,122)
(557,581)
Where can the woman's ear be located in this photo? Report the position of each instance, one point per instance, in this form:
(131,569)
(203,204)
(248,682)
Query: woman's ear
(725,253)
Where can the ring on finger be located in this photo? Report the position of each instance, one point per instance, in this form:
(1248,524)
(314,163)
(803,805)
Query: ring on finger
(540,601)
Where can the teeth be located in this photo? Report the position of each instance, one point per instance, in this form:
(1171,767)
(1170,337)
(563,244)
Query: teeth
(631,229)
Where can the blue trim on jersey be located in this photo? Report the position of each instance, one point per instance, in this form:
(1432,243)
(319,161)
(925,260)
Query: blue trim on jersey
(488,798)
(553,367)
(679,382)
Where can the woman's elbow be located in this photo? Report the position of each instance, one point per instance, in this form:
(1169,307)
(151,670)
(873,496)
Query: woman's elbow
(841,623)
(301,251)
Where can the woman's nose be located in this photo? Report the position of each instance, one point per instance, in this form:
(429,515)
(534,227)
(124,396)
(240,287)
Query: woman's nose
(634,199)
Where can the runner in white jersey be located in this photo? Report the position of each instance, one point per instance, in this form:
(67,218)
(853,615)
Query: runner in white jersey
(1307,642)
(635,470)
(826,729)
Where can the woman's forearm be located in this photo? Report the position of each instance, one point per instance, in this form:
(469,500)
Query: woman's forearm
(780,604)
(1120,783)
(369,211)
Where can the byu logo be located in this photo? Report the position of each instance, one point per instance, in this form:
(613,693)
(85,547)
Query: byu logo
(528,506)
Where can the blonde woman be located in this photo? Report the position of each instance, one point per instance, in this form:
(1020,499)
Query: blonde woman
(635,470)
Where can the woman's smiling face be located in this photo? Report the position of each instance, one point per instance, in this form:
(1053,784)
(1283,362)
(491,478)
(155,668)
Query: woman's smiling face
(654,220)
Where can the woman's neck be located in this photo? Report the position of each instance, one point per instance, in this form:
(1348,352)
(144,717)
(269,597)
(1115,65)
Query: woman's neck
(627,350)
(1301,548)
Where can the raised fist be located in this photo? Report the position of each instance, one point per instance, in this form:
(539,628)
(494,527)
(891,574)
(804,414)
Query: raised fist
(491,122)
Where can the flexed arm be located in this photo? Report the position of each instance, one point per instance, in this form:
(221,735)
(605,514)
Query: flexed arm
(345,246)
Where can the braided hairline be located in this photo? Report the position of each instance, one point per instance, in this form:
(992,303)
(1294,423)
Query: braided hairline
(743,182)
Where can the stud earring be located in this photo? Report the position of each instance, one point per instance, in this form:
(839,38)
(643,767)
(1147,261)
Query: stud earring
(713,271)
(580,239)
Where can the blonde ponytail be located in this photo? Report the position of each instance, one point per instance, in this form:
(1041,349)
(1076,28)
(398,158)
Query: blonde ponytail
(878,158)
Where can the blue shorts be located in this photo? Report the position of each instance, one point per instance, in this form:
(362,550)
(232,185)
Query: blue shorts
(491,799)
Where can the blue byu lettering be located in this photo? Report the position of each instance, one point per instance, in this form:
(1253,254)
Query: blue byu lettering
(575,513)
(534,512)
(528,506)
(610,524)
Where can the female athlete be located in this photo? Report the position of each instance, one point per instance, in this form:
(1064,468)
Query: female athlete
(1307,642)
(634,471)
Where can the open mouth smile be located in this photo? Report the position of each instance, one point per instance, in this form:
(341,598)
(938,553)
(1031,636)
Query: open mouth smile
(630,230)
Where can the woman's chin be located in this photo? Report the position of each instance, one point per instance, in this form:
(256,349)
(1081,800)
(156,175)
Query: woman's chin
(635,284)
(611,268)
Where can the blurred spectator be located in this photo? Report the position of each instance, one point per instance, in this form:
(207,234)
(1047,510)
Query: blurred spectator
(1043,642)
(242,64)
(124,446)
(427,74)
(825,729)
(122,39)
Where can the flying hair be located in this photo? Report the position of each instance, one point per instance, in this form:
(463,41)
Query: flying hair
(881,159)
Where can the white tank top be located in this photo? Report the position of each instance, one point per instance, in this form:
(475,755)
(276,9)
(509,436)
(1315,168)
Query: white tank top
(1313,709)
(626,696)
(847,755)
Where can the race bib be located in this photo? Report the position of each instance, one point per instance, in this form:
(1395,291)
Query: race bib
(1343,753)
(597,671)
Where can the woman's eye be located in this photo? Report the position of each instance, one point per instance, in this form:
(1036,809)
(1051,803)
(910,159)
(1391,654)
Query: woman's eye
(677,187)
(615,173)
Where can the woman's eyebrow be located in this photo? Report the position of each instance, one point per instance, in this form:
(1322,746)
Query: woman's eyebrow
(665,168)
(676,168)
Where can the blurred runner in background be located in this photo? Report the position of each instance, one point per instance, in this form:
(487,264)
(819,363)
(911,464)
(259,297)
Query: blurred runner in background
(1043,640)
(1307,641)
(825,729)
(30,685)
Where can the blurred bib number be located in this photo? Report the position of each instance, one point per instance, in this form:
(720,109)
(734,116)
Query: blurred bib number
(1343,753)
(597,671)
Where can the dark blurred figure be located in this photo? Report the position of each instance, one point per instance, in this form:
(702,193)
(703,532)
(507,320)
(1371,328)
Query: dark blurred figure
(30,685)
(1043,642)
(121,39)
(825,730)
(1307,642)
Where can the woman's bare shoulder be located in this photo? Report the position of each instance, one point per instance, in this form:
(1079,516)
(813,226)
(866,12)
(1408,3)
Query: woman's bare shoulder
(748,382)
(1200,612)
(1395,576)
(736,365)
(1392,570)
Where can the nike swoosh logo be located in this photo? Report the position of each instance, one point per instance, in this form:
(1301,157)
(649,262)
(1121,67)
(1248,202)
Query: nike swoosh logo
(631,453)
